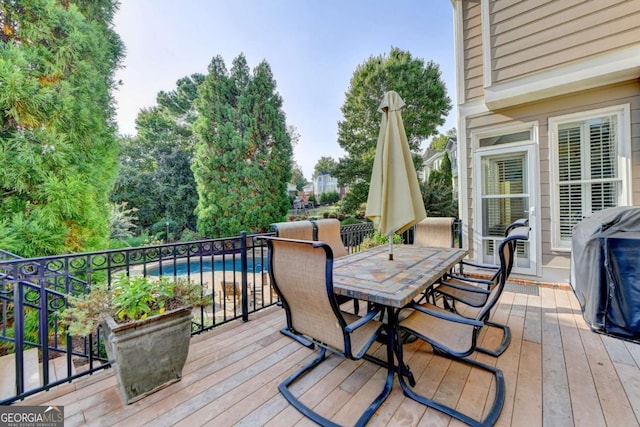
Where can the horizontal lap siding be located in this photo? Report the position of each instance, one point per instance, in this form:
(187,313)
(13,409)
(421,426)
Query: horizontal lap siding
(535,35)
(472,42)
(622,93)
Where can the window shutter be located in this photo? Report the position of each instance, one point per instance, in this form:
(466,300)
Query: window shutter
(603,163)
(569,169)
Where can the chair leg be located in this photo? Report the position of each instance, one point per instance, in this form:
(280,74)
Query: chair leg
(506,340)
(319,419)
(496,407)
(302,340)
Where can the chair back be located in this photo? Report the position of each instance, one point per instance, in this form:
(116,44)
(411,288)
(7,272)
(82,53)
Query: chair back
(506,252)
(301,230)
(435,231)
(520,223)
(328,231)
(302,273)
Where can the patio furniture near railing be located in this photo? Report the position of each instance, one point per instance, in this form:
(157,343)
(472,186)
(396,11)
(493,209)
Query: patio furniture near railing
(315,318)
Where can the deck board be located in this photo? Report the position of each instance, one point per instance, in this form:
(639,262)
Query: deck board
(557,372)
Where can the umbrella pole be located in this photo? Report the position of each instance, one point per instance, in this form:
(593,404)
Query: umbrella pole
(391,247)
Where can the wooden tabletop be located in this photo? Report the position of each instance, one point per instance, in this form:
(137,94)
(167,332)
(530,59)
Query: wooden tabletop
(369,275)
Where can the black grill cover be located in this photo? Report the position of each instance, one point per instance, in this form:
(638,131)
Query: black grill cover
(605,271)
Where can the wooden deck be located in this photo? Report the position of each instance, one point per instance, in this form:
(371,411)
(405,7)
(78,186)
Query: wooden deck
(557,373)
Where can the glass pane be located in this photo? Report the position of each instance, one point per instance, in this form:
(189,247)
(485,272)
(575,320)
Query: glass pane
(497,213)
(603,148)
(505,139)
(604,195)
(504,175)
(488,252)
(571,212)
(569,158)
(523,260)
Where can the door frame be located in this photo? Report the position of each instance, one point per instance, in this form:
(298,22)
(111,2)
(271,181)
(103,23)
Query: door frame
(530,148)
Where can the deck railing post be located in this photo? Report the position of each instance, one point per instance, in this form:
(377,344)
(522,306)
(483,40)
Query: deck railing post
(244,268)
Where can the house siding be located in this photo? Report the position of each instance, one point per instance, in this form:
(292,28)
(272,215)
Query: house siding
(531,36)
(473,57)
(540,112)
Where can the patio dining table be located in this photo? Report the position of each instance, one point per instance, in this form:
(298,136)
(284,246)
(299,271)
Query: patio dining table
(370,276)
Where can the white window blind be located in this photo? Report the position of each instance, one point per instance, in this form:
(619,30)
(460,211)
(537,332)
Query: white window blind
(588,176)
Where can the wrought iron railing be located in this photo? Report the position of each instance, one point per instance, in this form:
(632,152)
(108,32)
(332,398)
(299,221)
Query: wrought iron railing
(34,291)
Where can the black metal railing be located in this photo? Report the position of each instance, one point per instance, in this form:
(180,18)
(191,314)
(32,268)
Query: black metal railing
(34,291)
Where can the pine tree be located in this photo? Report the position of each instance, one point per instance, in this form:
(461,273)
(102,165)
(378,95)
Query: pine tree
(57,132)
(244,154)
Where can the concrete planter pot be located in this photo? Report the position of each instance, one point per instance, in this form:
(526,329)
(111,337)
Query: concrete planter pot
(148,354)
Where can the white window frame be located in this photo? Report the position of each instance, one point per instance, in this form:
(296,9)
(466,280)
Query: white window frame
(623,134)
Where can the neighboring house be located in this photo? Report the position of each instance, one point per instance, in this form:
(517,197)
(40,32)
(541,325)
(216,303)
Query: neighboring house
(325,183)
(432,160)
(291,189)
(548,96)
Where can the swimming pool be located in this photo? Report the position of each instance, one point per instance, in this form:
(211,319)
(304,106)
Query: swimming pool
(181,268)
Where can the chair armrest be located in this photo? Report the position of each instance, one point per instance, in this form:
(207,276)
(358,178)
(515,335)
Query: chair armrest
(363,320)
(468,279)
(476,290)
(478,265)
(445,315)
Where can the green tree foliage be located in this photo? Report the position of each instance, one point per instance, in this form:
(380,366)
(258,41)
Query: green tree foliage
(437,192)
(329,197)
(297,177)
(58,143)
(420,86)
(155,166)
(121,221)
(324,164)
(244,154)
(439,143)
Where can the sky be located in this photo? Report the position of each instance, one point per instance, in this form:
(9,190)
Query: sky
(312,46)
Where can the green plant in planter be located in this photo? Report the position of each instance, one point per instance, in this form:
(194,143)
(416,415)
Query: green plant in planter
(129,299)
(147,327)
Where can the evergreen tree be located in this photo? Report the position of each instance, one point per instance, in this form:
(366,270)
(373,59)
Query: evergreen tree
(425,95)
(297,177)
(58,142)
(155,174)
(437,192)
(244,154)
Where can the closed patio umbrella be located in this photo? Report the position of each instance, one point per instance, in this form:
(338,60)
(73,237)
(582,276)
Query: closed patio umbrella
(394,203)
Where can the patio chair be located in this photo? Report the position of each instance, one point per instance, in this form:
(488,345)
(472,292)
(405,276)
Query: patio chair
(230,290)
(302,274)
(473,292)
(455,336)
(435,231)
(329,229)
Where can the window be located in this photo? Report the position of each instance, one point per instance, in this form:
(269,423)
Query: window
(589,154)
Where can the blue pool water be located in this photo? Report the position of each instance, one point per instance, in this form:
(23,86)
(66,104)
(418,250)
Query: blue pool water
(194,266)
